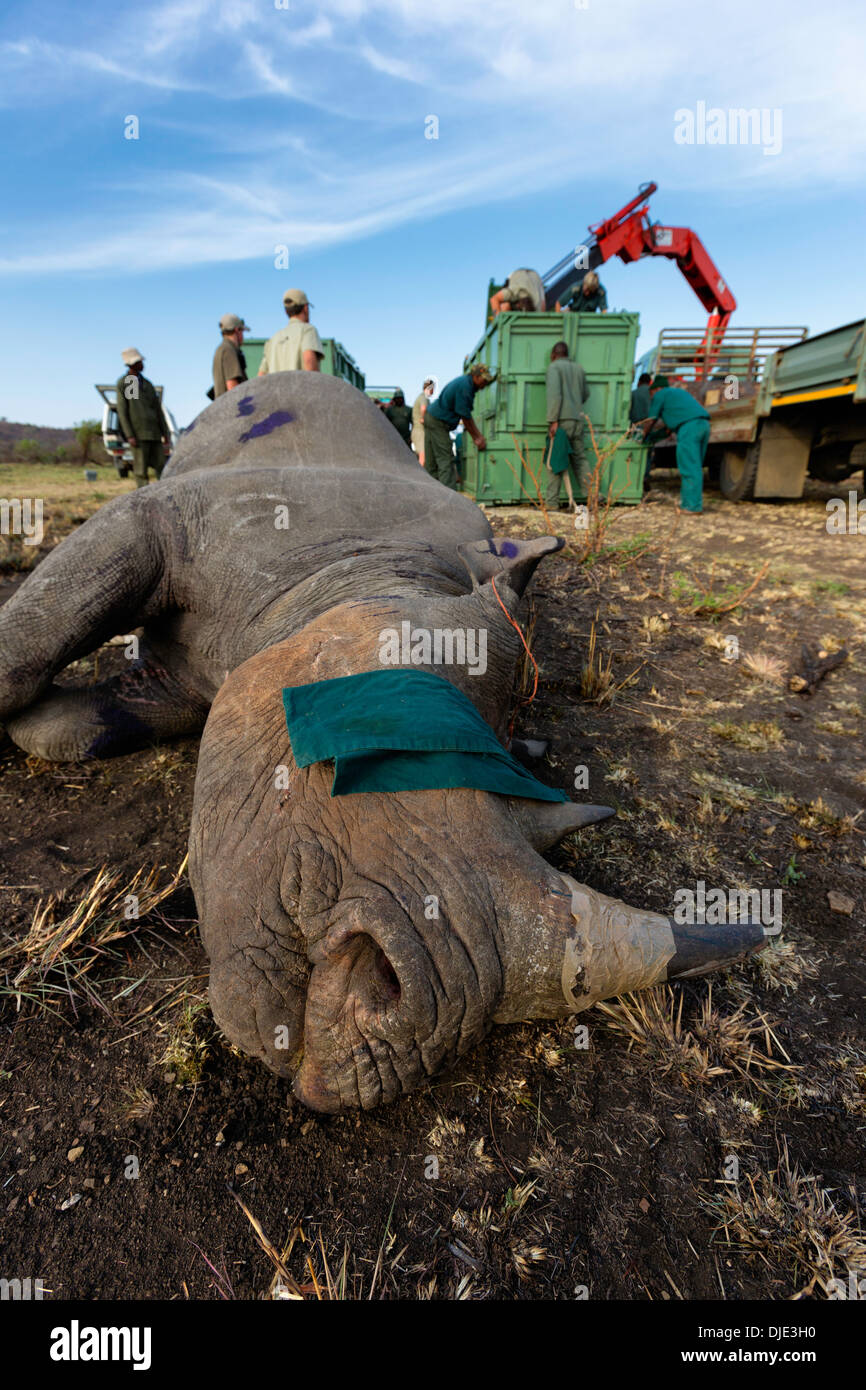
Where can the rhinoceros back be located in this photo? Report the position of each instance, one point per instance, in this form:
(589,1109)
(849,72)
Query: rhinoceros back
(294,419)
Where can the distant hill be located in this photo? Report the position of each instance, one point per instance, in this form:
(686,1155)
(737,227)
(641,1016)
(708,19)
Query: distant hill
(47,436)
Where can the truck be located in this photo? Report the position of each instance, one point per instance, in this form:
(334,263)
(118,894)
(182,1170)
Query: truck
(783,406)
(336,361)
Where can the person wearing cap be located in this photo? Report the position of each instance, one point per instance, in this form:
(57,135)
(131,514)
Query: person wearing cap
(229,363)
(400,416)
(685,417)
(640,399)
(297,347)
(141,418)
(567,394)
(452,407)
(523,290)
(588,296)
(419,409)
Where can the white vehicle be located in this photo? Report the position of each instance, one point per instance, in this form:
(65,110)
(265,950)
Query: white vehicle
(112,435)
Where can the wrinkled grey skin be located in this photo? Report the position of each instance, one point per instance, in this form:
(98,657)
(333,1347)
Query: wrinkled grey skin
(315,911)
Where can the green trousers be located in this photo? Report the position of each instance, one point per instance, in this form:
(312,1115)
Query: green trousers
(438,451)
(148,453)
(578,467)
(692,440)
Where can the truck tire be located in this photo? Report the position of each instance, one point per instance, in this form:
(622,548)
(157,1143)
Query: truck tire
(857,461)
(738,471)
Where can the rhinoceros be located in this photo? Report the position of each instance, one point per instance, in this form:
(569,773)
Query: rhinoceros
(290,529)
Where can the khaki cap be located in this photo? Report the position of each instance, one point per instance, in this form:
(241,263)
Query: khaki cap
(131,355)
(296,297)
(482,372)
(230,322)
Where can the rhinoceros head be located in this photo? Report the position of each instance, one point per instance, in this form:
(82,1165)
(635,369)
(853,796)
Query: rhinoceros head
(361,944)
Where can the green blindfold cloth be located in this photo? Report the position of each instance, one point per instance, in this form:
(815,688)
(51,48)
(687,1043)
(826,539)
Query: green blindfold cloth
(559,455)
(402,730)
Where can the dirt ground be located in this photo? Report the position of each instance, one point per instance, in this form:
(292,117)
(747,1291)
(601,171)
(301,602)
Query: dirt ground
(699,1141)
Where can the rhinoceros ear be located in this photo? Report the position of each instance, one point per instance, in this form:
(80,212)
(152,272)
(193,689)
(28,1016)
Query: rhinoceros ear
(545,823)
(515,561)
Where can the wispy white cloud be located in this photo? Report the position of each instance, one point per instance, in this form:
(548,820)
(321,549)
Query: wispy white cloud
(392,67)
(54,61)
(271,80)
(345,209)
(308,95)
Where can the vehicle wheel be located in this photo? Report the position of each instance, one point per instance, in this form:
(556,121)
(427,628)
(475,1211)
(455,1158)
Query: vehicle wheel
(738,471)
(857,461)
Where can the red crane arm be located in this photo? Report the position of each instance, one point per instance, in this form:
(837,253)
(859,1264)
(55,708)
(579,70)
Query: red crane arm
(630,235)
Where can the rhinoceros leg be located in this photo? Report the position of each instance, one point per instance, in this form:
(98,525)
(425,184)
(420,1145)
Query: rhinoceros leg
(109,577)
(113,716)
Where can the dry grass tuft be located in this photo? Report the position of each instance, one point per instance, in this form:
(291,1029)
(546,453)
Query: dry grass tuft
(140,1104)
(764,667)
(757,737)
(654,625)
(818,816)
(596,674)
(788,1221)
(65,942)
(715,1045)
(781,966)
(189,1041)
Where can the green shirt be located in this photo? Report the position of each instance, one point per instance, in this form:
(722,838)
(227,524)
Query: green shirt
(675,407)
(418,410)
(228,365)
(582,303)
(284,352)
(454,402)
(567,391)
(641,404)
(138,409)
(401,418)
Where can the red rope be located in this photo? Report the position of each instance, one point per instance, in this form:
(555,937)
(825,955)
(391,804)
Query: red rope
(528,700)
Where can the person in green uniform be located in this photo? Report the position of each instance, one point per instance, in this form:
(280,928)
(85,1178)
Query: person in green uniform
(567,394)
(297,347)
(229,363)
(589,296)
(419,410)
(679,412)
(452,405)
(400,416)
(141,419)
(640,399)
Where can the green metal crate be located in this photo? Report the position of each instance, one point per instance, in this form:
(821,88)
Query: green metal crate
(514,407)
(336,361)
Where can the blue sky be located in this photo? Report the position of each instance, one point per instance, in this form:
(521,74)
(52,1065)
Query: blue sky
(304,126)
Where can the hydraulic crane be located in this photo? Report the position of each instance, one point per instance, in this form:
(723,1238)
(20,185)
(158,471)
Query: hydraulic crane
(631,235)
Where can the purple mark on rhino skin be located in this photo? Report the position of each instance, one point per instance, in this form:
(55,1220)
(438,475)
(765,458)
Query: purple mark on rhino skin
(266,426)
(246,406)
(508,549)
